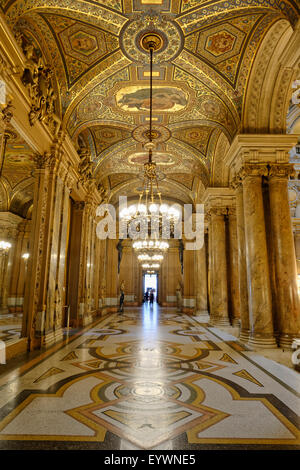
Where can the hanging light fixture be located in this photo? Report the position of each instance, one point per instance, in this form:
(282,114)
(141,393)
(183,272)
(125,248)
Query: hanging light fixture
(150,202)
(150,205)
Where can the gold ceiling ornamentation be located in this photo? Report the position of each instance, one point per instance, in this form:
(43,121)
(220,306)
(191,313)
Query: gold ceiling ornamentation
(166,34)
(159,134)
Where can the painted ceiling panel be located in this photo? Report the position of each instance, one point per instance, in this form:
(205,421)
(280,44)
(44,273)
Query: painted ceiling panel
(101,70)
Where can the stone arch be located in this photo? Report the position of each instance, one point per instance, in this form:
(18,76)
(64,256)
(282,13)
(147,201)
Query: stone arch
(269,86)
(4,197)
(219,171)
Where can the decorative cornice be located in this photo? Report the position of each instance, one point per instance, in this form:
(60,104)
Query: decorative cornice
(259,149)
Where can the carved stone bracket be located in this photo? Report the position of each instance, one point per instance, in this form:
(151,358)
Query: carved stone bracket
(85,165)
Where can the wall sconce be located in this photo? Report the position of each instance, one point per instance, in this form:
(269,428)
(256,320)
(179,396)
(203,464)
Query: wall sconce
(25,256)
(4,246)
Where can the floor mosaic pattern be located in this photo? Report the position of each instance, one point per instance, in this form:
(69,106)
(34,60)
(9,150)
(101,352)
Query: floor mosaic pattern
(150,379)
(10,327)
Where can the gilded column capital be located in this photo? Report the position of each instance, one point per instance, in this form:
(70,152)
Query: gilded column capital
(253,170)
(281,170)
(41,160)
(217,211)
(79,205)
(231,211)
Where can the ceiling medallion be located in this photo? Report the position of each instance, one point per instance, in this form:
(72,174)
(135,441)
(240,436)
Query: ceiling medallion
(166,37)
(153,40)
(159,134)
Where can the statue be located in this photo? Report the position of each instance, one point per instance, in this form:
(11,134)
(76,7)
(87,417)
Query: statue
(103,192)
(102,294)
(57,308)
(179,297)
(85,164)
(37,79)
(122,296)
(181,248)
(120,250)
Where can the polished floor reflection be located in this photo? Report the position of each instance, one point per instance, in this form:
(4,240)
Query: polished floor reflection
(10,327)
(149,378)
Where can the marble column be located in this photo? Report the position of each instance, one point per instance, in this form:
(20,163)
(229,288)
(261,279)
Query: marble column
(242,267)
(297,249)
(234,268)
(35,297)
(209,245)
(287,298)
(86,260)
(201,287)
(112,297)
(219,295)
(189,297)
(9,261)
(259,289)
(3,280)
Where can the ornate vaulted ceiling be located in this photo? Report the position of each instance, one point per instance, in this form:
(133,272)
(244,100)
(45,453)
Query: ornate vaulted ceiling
(16,186)
(102,78)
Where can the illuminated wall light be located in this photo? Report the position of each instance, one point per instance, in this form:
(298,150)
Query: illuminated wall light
(5,246)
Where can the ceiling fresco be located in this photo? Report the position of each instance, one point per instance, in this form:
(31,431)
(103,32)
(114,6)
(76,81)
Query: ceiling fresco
(200,76)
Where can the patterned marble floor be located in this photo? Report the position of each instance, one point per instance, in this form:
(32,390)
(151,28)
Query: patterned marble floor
(10,327)
(149,379)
